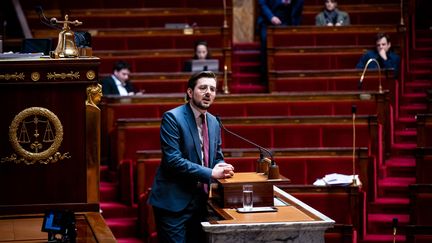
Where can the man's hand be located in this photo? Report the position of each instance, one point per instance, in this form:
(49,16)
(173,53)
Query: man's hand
(383,54)
(222,170)
(275,20)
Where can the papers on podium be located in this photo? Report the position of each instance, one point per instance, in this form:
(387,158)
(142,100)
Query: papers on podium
(337,179)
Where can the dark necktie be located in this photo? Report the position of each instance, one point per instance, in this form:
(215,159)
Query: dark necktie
(205,140)
(204,131)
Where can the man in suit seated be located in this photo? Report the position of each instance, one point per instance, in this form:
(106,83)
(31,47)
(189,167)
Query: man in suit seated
(191,158)
(383,53)
(118,82)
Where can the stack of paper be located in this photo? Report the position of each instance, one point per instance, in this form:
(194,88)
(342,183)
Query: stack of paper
(337,179)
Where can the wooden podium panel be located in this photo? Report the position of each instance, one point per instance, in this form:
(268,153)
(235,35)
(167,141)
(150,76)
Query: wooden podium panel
(294,221)
(229,192)
(43,160)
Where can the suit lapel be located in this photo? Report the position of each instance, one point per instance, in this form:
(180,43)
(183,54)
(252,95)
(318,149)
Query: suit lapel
(190,119)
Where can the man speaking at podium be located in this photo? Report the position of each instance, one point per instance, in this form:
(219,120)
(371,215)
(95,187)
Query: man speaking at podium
(191,157)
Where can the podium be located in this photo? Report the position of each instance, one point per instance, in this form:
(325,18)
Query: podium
(49,145)
(229,192)
(293,221)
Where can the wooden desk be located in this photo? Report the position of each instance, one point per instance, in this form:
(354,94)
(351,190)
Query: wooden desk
(294,222)
(91,227)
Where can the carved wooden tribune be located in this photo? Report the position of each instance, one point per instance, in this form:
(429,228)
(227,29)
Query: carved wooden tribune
(44,161)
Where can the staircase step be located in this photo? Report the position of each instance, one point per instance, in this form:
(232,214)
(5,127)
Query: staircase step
(412,109)
(404,149)
(389,205)
(407,135)
(414,97)
(418,86)
(394,186)
(130,240)
(400,167)
(123,227)
(246,46)
(239,88)
(112,210)
(385,238)
(245,67)
(405,122)
(383,223)
(108,191)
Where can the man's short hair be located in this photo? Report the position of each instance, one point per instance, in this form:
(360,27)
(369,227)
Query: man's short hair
(381,35)
(119,65)
(194,78)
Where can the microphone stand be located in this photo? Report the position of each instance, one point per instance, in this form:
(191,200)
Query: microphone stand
(273,169)
(395,223)
(379,74)
(354,110)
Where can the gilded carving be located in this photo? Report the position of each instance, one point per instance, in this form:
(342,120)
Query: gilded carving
(36,134)
(90,75)
(71,75)
(15,76)
(35,76)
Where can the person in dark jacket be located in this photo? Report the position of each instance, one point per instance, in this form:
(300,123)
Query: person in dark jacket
(118,82)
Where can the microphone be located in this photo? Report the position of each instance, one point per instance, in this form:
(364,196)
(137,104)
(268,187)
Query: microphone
(360,83)
(273,168)
(44,20)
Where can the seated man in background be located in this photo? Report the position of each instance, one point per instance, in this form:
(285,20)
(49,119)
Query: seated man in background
(386,57)
(276,13)
(331,15)
(118,82)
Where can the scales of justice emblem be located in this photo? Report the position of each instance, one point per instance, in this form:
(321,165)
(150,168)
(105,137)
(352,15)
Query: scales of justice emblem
(36,134)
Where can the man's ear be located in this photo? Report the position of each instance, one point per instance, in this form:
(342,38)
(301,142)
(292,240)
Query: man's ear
(189,93)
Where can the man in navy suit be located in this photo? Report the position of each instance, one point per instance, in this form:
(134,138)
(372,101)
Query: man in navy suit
(276,13)
(118,83)
(179,192)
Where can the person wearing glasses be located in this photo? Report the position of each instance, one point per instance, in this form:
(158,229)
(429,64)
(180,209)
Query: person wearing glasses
(191,158)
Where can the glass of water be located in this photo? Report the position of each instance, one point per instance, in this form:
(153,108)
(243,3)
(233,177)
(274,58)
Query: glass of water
(247,197)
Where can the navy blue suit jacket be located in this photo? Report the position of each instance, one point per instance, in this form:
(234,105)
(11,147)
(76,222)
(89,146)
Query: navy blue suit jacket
(392,62)
(180,170)
(109,86)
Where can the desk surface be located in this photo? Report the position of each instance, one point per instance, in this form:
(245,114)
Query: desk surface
(90,228)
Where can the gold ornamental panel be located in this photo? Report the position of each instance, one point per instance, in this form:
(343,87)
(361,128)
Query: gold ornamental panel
(36,134)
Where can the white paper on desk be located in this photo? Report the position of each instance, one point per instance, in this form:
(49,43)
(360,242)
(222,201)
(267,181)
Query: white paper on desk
(336,179)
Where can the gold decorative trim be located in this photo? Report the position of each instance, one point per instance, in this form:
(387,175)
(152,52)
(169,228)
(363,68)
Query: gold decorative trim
(71,75)
(29,146)
(15,76)
(35,76)
(90,75)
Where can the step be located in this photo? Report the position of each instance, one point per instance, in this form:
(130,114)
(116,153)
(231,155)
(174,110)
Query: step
(400,167)
(385,238)
(418,85)
(130,240)
(404,149)
(117,210)
(414,97)
(123,227)
(383,223)
(394,186)
(246,67)
(405,122)
(246,46)
(412,109)
(239,88)
(389,205)
(408,135)
(108,191)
